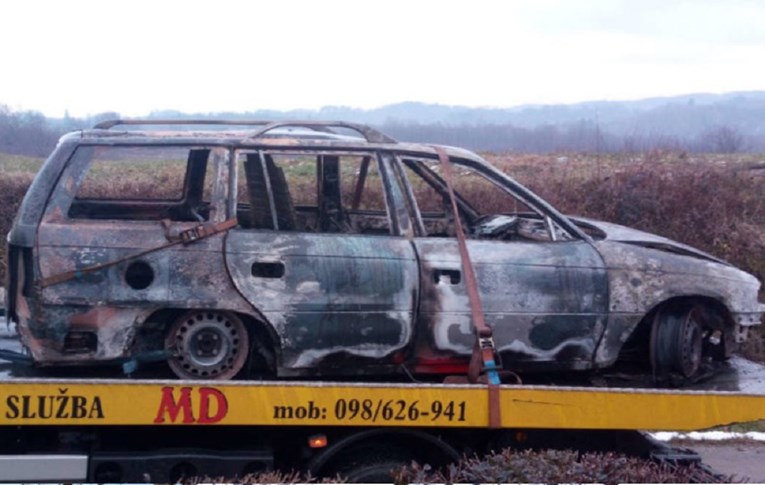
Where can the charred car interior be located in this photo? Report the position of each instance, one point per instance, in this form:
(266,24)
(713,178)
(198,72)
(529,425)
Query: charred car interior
(297,249)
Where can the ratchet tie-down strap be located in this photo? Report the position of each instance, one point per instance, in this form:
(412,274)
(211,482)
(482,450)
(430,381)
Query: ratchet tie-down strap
(484,358)
(188,236)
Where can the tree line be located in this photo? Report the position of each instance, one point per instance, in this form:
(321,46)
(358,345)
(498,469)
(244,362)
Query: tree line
(31,133)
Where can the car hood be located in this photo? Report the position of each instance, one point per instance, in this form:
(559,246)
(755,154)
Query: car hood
(600,230)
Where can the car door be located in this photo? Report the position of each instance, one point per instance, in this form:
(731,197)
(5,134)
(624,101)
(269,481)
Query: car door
(337,281)
(543,291)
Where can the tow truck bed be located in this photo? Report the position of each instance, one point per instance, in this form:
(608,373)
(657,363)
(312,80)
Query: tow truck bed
(735,394)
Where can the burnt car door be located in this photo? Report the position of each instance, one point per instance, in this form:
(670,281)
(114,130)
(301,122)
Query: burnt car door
(544,290)
(321,254)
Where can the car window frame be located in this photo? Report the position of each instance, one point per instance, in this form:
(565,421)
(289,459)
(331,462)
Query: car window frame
(399,226)
(77,168)
(543,209)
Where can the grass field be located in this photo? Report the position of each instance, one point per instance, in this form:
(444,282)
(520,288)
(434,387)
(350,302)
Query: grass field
(18,164)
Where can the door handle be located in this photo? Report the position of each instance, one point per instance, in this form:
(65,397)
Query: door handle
(272,269)
(441,274)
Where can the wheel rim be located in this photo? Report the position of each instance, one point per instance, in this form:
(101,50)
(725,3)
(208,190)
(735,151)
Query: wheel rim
(691,345)
(677,343)
(207,345)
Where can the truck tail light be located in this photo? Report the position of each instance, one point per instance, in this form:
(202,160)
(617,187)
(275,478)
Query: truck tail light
(317,441)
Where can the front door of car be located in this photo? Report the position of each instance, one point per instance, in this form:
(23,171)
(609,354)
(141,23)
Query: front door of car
(319,254)
(543,292)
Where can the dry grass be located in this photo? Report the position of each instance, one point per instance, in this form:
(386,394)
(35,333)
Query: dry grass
(714,205)
(13,186)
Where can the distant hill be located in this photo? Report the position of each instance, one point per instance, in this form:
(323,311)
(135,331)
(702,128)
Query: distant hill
(694,122)
(676,115)
(687,121)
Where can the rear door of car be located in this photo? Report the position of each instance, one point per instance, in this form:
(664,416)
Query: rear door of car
(321,252)
(543,290)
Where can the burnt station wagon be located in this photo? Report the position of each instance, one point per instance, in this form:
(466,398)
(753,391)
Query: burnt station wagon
(327,248)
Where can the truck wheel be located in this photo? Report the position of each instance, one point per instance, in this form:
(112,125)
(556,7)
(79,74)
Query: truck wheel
(207,345)
(677,342)
(378,472)
(371,465)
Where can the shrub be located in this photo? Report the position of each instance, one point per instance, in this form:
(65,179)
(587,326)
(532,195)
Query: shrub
(13,186)
(274,476)
(509,466)
(554,466)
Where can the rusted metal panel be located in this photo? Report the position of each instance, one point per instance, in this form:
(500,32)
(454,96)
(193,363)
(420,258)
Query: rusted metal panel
(113,329)
(182,277)
(641,277)
(336,295)
(108,303)
(546,302)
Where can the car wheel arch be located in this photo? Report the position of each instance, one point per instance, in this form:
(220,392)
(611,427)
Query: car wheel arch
(715,314)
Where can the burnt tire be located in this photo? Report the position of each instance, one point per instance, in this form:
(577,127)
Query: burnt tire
(207,345)
(677,342)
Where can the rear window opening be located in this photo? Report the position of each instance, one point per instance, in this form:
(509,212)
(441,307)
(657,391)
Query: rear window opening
(144,183)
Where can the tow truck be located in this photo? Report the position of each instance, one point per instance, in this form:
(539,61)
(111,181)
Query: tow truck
(106,427)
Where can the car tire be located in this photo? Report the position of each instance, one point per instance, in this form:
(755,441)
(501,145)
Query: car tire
(207,345)
(677,342)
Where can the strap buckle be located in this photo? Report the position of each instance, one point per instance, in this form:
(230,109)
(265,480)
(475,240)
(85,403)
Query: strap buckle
(490,359)
(486,343)
(190,235)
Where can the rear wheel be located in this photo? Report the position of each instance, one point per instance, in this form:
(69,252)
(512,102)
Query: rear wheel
(207,345)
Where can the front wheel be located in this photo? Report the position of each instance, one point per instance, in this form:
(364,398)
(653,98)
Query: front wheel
(677,342)
(207,345)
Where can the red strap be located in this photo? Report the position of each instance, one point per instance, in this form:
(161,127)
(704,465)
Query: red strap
(483,357)
(471,285)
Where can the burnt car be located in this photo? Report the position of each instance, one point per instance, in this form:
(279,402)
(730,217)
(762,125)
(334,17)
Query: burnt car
(313,248)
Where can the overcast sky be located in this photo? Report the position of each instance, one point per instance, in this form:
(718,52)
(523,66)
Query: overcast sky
(199,56)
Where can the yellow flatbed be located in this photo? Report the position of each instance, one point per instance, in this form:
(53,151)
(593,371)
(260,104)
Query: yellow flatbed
(736,395)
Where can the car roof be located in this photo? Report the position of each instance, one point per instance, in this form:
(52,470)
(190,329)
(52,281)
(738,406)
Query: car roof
(245,133)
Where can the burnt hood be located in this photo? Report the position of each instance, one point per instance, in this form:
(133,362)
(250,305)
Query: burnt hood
(600,230)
